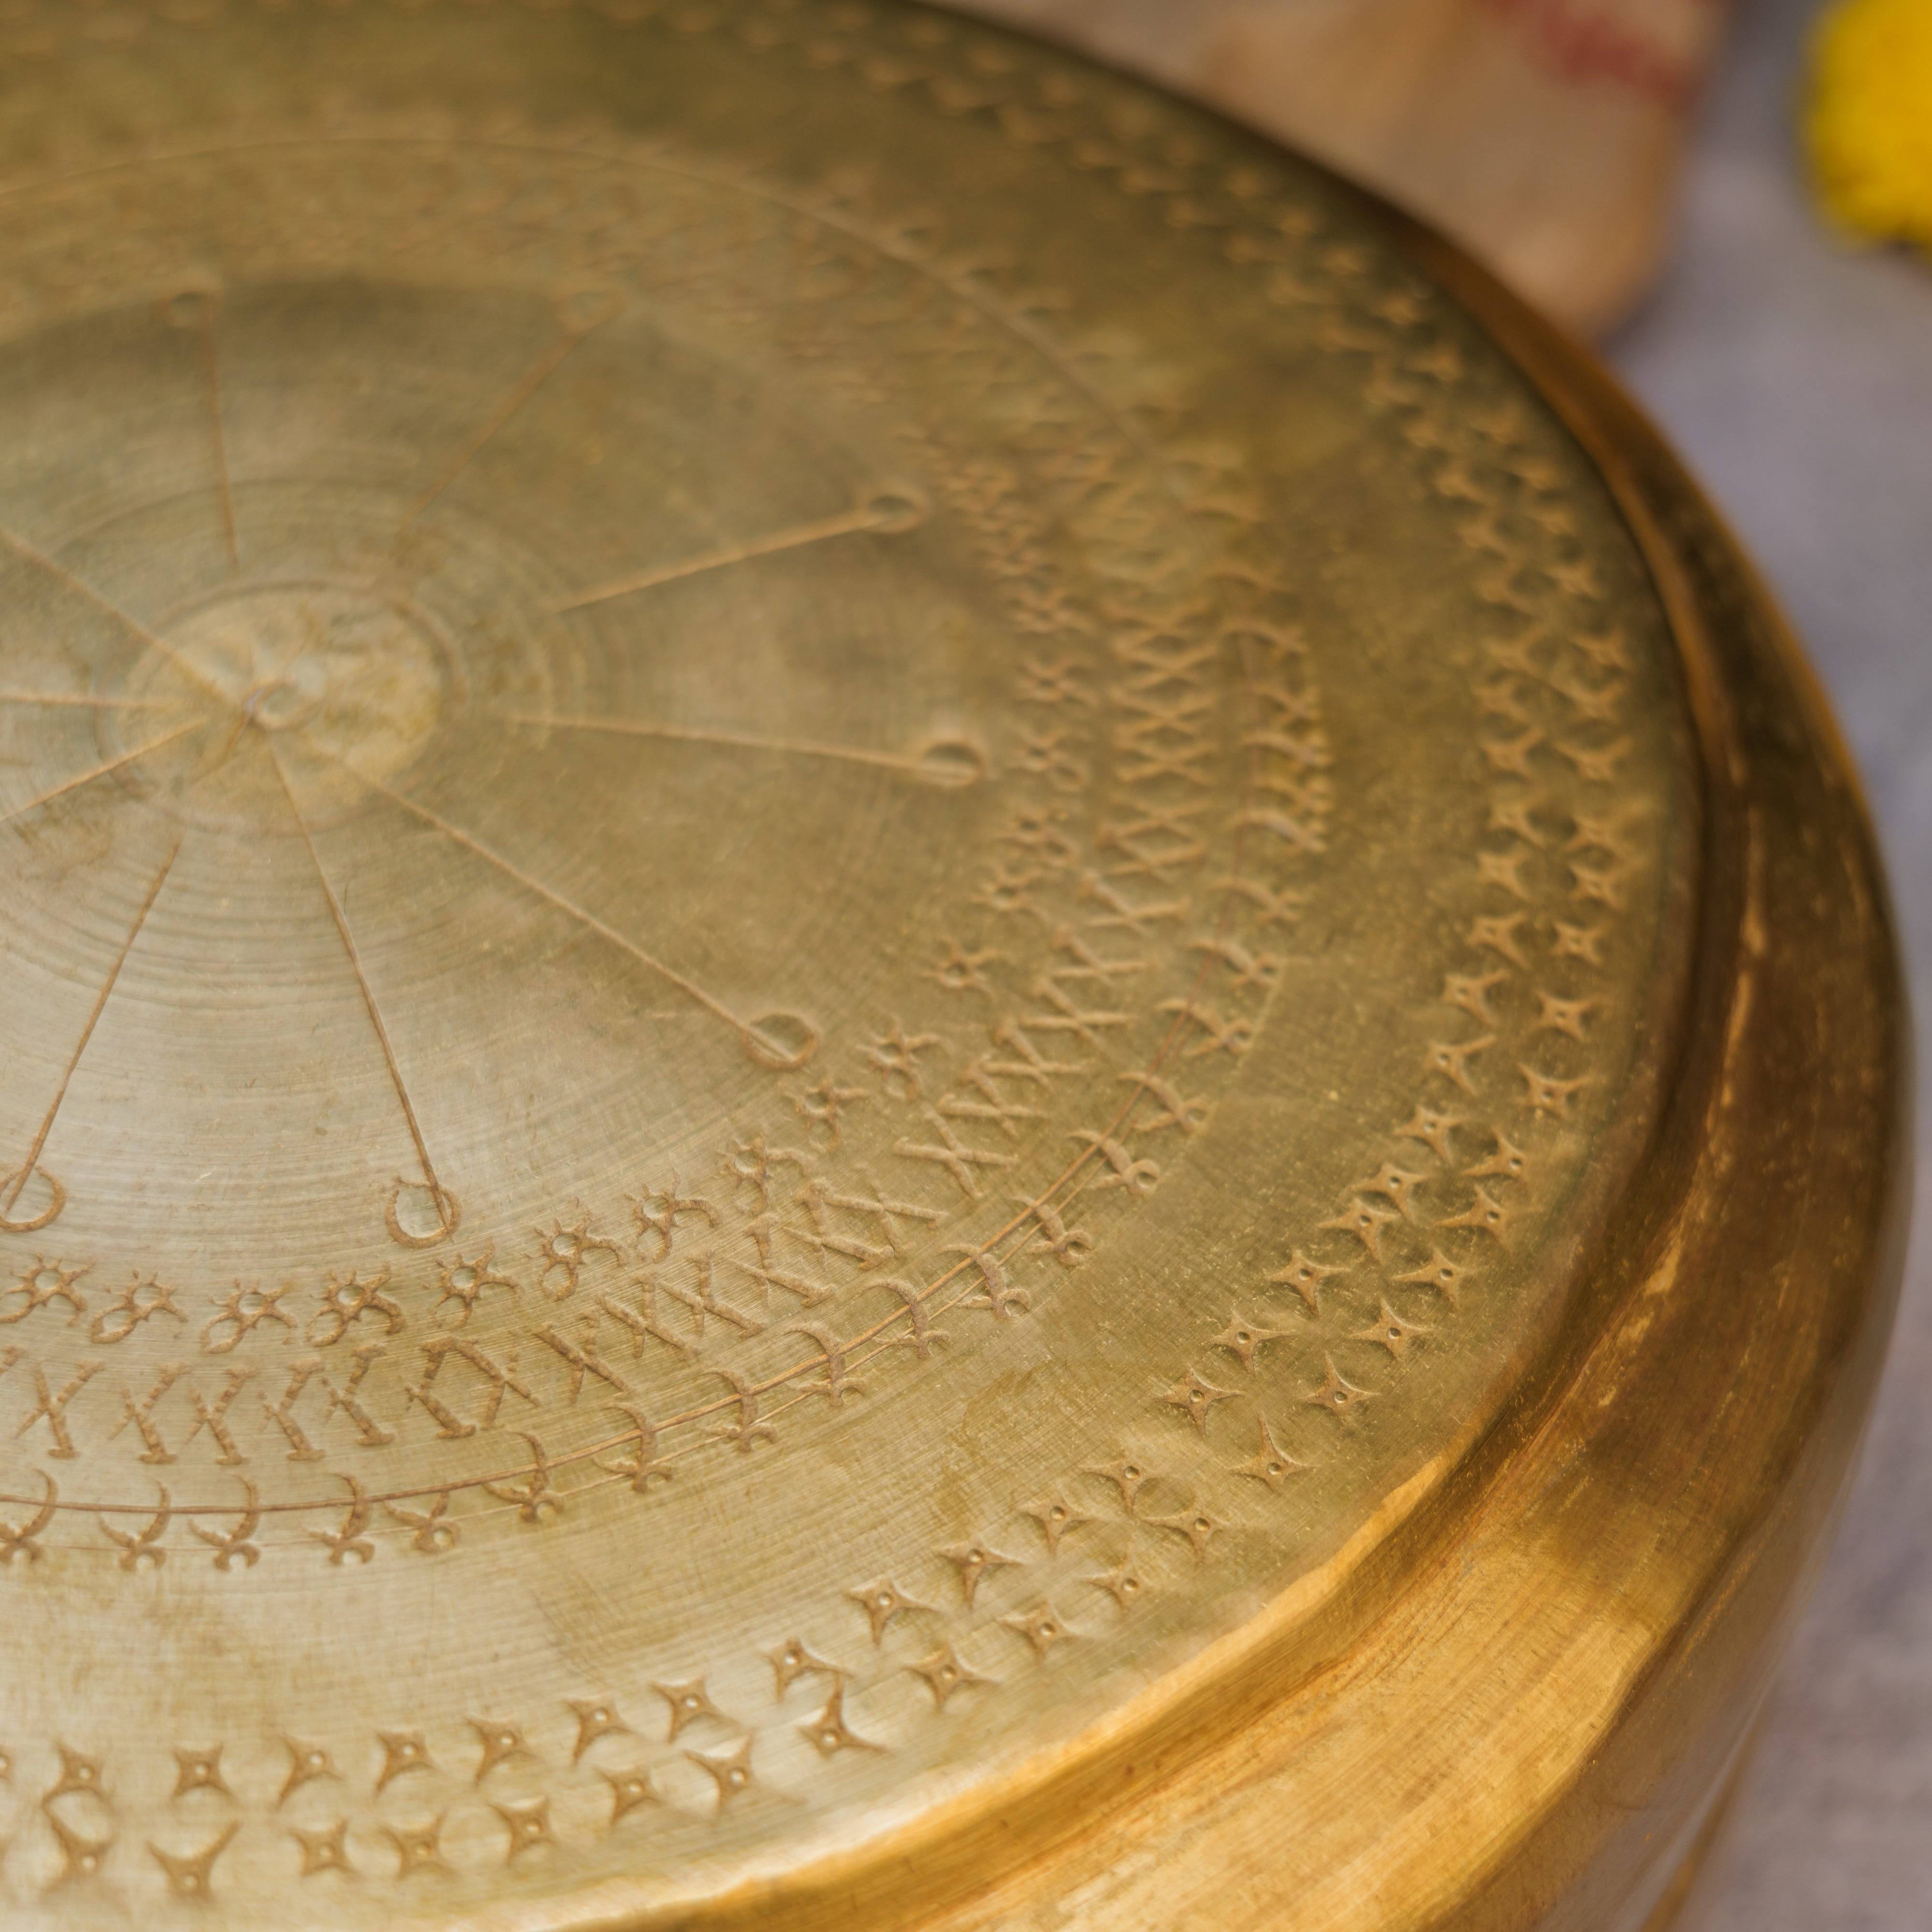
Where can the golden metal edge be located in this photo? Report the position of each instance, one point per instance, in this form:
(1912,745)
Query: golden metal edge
(1201,1752)
(1200,1778)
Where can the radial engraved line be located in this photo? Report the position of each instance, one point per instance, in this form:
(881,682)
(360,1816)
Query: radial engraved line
(39,1147)
(533,379)
(475,846)
(211,371)
(803,747)
(83,701)
(101,771)
(849,523)
(41,560)
(381,1032)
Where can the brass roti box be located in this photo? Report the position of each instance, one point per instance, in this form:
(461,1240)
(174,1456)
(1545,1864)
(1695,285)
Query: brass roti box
(924,1008)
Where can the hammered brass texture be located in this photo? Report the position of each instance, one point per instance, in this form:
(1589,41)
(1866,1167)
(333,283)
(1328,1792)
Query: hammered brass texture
(853,898)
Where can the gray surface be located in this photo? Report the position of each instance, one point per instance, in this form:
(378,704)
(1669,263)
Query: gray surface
(1796,377)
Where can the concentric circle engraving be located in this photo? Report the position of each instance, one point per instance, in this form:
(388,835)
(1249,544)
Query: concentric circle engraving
(786,976)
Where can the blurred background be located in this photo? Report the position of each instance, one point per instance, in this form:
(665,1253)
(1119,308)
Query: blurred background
(1637,167)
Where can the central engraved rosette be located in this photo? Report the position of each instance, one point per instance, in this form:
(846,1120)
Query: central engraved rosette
(656,849)
(726,1101)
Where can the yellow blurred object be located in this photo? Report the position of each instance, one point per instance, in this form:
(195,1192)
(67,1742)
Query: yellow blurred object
(1868,125)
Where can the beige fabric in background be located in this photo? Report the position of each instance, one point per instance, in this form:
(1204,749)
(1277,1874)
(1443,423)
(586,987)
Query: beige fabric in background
(1545,135)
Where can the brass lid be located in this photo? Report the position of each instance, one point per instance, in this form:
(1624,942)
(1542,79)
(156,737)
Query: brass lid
(863,906)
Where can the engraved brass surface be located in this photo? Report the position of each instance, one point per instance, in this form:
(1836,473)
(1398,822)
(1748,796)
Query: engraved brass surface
(863,919)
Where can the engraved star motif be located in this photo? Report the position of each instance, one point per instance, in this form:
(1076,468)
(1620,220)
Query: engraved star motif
(1039,831)
(1548,1095)
(1007,891)
(1470,992)
(1055,1516)
(820,1107)
(1339,1396)
(1305,1277)
(79,1772)
(1502,697)
(1195,1525)
(500,1742)
(1051,681)
(1365,1222)
(1607,650)
(1485,1214)
(1271,1463)
(1126,1475)
(895,1053)
(974,1561)
(1504,869)
(1603,885)
(419,1849)
(565,1250)
(1597,766)
(1578,942)
(1398,1184)
(596,1717)
(326,1850)
(1441,1274)
(42,1282)
(1042,1627)
(240,1313)
(944,1674)
(1536,472)
(1497,934)
(628,1790)
(198,1770)
(1043,755)
(960,971)
(402,1750)
(1604,831)
(193,1877)
(828,1732)
(1196,1399)
(144,1297)
(1594,704)
(464,1280)
(81,1856)
(1574,579)
(1390,1331)
(731,1774)
(882,1600)
(1432,1129)
(1565,1016)
(305,1762)
(792,1660)
(1516,654)
(1513,815)
(1508,1162)
(657,1210)
(1452,1061)
(1246,1339)
(528,1822)
(688,1703)
(1512,754)
(1126,1584)
(750,1164)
